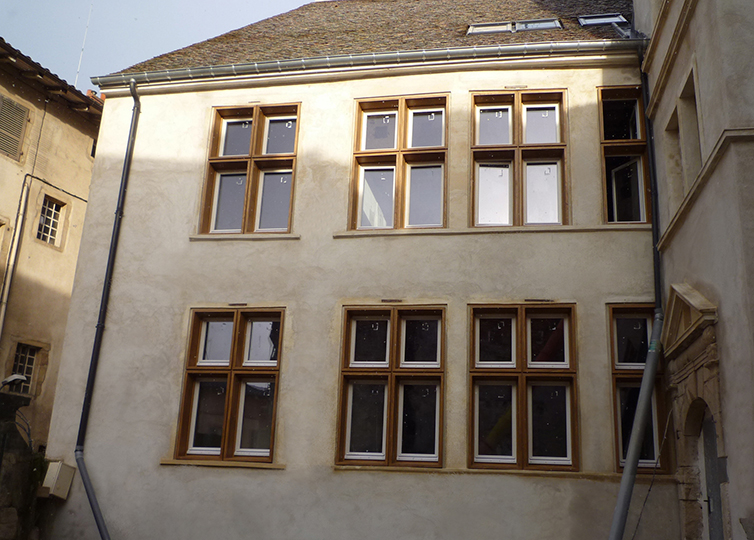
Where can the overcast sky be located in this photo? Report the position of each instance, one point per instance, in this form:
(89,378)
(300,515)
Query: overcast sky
(121,33)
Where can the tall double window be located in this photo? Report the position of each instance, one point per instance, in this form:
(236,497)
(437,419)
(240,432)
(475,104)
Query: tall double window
(249,186)
(400,164)
(523,376)
(518,153)
(392,386)
(231,385)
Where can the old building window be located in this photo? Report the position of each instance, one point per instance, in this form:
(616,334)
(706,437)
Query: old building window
(392,386)
(523,375)
(519,153)
(249,186)
(231,385)
(400,163)
(23,364)
(50,217)
(623,151)
(13,120)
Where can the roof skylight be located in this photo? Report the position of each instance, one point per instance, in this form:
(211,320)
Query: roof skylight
(603,18)
(514,26)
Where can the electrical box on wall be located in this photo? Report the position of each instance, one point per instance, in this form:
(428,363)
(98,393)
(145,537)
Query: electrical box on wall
(57,481)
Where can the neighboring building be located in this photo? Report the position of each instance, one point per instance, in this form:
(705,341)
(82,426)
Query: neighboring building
(701,83)
(361,292)
(47,134)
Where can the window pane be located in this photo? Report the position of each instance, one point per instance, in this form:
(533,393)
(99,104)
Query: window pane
(494,126)
(370,340)
(379,131)
(495,340)
(494,195)
(542,125)
(237,138)
(231,193)
(275,204)
(263,337)
(425,196)
(625,189)
(367,423)
(427,129)
(549,421)
(495,420)
(542,193)
(547,340)
(421,340)
(256,415)
(210,413)
(620,119)
(629,398)
(418,429)
(377,198)
(632,339)
(281,136)
(218,337)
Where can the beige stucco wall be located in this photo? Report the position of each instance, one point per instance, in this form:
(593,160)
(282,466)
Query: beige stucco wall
(163,270)
(56,148)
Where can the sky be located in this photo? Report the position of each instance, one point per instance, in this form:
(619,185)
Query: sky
(121,33)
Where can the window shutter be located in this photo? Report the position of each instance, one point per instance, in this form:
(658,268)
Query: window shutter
(12,125)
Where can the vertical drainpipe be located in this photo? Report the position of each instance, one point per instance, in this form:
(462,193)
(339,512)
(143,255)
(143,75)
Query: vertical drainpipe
(86,407)
(644,405)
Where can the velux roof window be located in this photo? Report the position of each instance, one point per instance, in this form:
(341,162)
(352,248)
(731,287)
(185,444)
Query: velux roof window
(514,26)
(602,18)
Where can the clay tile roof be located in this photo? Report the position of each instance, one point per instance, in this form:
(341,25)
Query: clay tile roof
(336,27)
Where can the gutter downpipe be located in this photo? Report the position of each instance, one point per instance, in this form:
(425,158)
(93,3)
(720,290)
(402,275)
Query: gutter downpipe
(15,247)
(86,407)
(644,405)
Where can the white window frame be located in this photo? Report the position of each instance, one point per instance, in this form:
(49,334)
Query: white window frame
(366,455)
(256,452)
(367,114)
(494,107)
(497,365)
(640,186)
(544,460)
(267,132)
(352,352)
(656,446)
(626,315)
(420,365)
(410,134)
(216,200)
(201,361)
(233,120)
(490,28)
(603,18)
(485,458)
(543,105)
(559,184)
(538,24)
(501,164)
(360,209)
(401,456)
(55,233)
(409,183)
(566,342)
(202,450)
(260,193)
(247,345)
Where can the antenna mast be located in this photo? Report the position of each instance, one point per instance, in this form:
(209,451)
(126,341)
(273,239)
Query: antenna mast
(89,18)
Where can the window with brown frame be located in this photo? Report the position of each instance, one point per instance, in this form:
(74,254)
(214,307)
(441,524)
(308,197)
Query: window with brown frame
(523,380)
(231,385)
(518,151)
(630,331)
(13,120)
(400,163)
(391,403)
(623,150)
(249,187)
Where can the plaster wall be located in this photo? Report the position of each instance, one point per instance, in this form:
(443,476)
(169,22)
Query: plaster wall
(56,148)
(164,268)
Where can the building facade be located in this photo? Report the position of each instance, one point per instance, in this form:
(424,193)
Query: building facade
(367,291)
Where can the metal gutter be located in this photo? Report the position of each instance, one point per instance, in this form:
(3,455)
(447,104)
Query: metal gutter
(368,60)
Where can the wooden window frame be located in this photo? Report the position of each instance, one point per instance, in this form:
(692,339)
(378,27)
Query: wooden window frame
(518,153)
(234,373)
(522,375)
(395,375)
(253,164)
(401,157)
(636,148)
(54,236)
(630,375)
